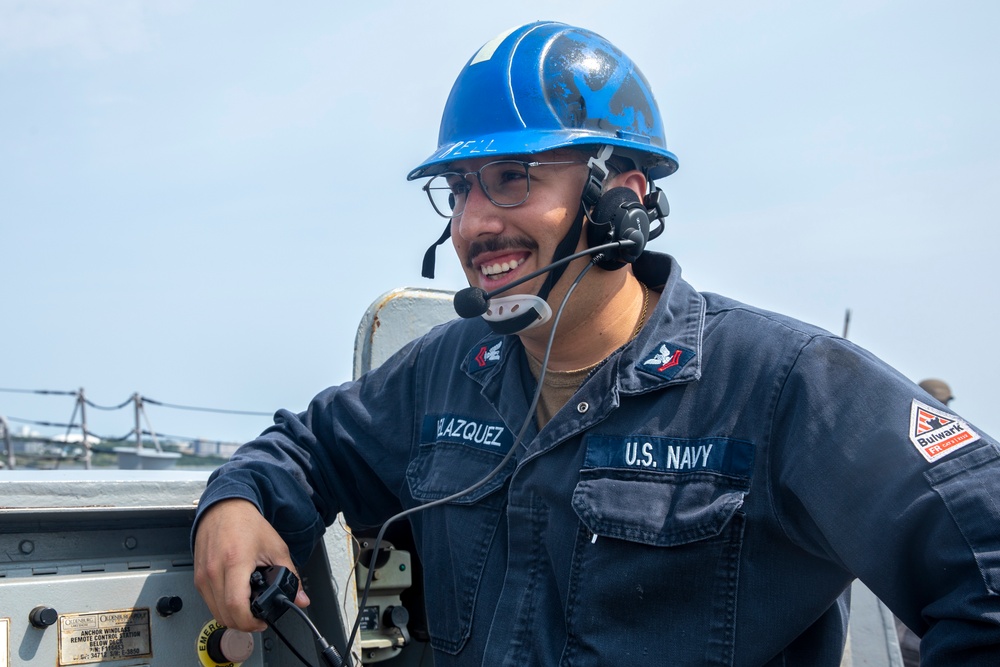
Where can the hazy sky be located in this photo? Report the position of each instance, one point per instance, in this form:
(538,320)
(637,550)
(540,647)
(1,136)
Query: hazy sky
(198,201)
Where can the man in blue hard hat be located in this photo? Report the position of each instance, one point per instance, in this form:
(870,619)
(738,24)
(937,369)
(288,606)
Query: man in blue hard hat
(600,464)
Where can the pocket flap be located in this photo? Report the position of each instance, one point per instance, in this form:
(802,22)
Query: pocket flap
(639,488)
(442,469)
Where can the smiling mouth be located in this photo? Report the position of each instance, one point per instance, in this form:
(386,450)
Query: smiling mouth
(500,268)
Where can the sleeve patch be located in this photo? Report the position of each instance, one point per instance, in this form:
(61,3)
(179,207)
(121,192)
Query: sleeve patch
(936,433)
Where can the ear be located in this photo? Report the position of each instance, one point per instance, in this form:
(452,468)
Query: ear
(633,179)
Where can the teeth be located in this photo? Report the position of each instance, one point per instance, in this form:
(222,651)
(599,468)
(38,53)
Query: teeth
(495,269)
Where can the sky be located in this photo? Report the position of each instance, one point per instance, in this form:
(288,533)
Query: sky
(199,200)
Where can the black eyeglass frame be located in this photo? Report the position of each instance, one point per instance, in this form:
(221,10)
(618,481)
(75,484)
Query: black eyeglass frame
(464,176)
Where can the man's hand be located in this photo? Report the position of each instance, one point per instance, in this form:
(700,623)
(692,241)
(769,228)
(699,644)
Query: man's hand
(232,540)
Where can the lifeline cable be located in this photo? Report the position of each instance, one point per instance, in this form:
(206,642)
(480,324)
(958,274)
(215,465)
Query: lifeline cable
(109,407)
(42,423)
(54,392)
(57,392)
(102,438)
(152,401)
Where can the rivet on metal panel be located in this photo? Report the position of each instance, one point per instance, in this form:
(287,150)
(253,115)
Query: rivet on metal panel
(26,546)
(130,542)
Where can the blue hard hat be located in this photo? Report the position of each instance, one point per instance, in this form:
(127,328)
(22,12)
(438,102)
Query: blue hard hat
(548,85)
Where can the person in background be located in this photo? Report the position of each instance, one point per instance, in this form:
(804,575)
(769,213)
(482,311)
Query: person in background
(939,389)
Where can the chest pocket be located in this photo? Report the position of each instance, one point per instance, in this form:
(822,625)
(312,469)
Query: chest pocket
(659,544)
(455,538)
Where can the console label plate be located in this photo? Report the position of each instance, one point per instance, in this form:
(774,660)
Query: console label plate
(100,636)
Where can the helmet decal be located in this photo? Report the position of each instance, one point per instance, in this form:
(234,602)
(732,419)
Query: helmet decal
(577,70)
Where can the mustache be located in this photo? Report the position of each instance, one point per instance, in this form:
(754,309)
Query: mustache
(498,243)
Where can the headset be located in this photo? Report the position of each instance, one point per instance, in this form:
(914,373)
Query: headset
(619,215)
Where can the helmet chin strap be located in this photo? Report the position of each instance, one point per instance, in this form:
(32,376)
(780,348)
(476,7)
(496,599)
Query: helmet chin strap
(427,269)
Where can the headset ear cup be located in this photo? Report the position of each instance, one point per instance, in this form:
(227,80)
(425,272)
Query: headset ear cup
(619,216)
(632,225)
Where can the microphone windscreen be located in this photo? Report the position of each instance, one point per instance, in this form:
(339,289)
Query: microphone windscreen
(611,201)
(471,302)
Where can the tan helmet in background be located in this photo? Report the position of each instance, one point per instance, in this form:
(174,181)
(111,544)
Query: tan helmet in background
(939,389)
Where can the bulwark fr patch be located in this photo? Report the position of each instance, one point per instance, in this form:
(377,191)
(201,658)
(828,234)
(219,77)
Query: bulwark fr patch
(936,433)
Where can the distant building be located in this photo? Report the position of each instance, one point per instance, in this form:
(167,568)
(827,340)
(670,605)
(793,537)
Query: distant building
(214,448)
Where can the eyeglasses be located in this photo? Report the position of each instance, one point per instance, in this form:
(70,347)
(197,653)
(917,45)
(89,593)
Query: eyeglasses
(505,183)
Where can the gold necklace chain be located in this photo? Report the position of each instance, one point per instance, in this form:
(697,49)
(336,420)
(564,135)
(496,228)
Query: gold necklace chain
(642,316)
